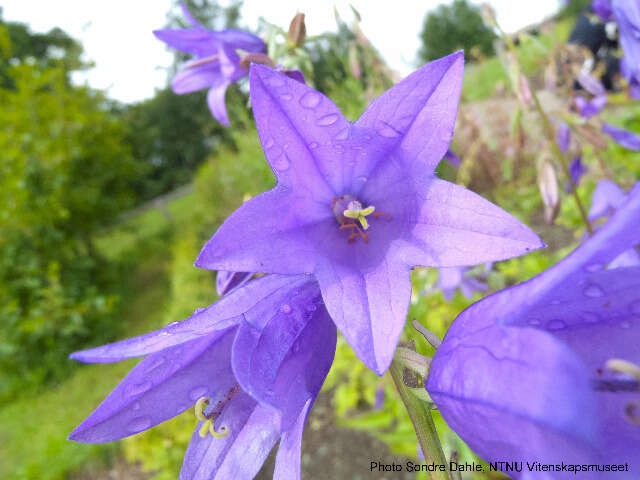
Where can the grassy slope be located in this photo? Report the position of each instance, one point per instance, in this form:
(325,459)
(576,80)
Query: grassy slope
(33,431)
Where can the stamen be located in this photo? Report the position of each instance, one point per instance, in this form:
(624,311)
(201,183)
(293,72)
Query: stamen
(632,412)
(618,365)
(356,212)
(209,418)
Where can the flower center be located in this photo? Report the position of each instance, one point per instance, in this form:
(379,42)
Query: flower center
(352,215)
(626,381)
(209,414)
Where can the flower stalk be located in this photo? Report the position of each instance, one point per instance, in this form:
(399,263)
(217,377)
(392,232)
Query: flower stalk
(422,423)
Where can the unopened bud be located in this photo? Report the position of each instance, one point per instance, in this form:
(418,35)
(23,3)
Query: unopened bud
(548,185)
(297,30)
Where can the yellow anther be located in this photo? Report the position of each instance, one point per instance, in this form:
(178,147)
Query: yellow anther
(204,429)
(623,366)
(360,215)
(201,404)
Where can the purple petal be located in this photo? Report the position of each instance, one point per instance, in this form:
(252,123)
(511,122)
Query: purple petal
(606,198)
(160,387)
(470,286)
(283,351)
(217,105)
(602,8)
(227,281)
(300,130)
(627,139)
(196,42)
(369,308)
(290,448)
(515,394)
(591,85)
(627,15)
(588,109)
(223,314)
(452,158)
(419,113)
(253,431)
(241,40)
(456,227)
(563,136)
(190,18)
(297,75)
(191,79)
(628,258)
(576,169)
(449,280)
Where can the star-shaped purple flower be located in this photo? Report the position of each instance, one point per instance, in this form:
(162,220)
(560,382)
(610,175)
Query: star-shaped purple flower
(627,13)
(216,64)
(549,370)
(452,278)
(252,363)
(625,138)
(357,205)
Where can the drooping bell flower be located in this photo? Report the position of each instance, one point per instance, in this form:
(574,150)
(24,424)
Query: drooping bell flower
(589,108)
(547,371)
(216,64)
(625,138)
(357,205)
(452,278)
(251,363)
(627,14)
(576,169)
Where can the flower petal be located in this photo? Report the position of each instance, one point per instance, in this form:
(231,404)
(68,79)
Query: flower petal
(283,351)
(369,308)
(418,114)
(227,281)
(290,448)
(455,227)
(606,198)
(191,79)
(627,139)
(253,431)
(241,40)
(160,387)
(300,130)
(217,105)
(223,314)
(515,394)
(197,42)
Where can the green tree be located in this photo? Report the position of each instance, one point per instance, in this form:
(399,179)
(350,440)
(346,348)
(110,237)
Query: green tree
(453,27)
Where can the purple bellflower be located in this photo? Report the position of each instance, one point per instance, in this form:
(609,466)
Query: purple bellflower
(452,278)
(606,199)
(563,136)
(357,205)
(589,108)
(625,138)
(549,370)
(576,169)
(602,8)
(252,363)
(451,157)
(216,64)
(627,13)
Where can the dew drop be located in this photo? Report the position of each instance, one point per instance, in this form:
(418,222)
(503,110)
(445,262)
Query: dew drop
(556,324)
(282,163)
(593,291)
(157,362)
(310,100)
(136,406)
(173,324)
(268,143)
(286,308)
(275,81)
(343,134)
(286,96)
(313,145)
(533,322)
(197,392)
(626,324)
(635,307)
(138,388)
(139,423)
(198,310)
(327,120)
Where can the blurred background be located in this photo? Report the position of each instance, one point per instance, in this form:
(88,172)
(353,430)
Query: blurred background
(110,184)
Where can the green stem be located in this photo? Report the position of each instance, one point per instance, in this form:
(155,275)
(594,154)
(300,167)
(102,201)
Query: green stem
(422,424)
(561,158)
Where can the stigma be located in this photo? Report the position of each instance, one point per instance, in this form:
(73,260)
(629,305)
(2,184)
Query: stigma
(352,215)
(210,415)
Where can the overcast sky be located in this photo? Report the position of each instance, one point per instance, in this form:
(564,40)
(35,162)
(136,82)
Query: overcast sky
(130,62)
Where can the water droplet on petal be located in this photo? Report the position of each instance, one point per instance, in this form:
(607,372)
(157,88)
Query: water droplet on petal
(157,362)
(556,324)
(286,308)
(197,392)
(268,143)
(282,163)
(327,120)
(286,96)
(343,134)
(198,310)
(533,322)
(173,324)
(136,406)
(313,145)
(310,100)
(593,291)
(139,423)
(625,324)
(138,388)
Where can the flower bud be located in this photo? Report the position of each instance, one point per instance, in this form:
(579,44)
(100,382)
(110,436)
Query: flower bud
(297,30)
(548,184)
